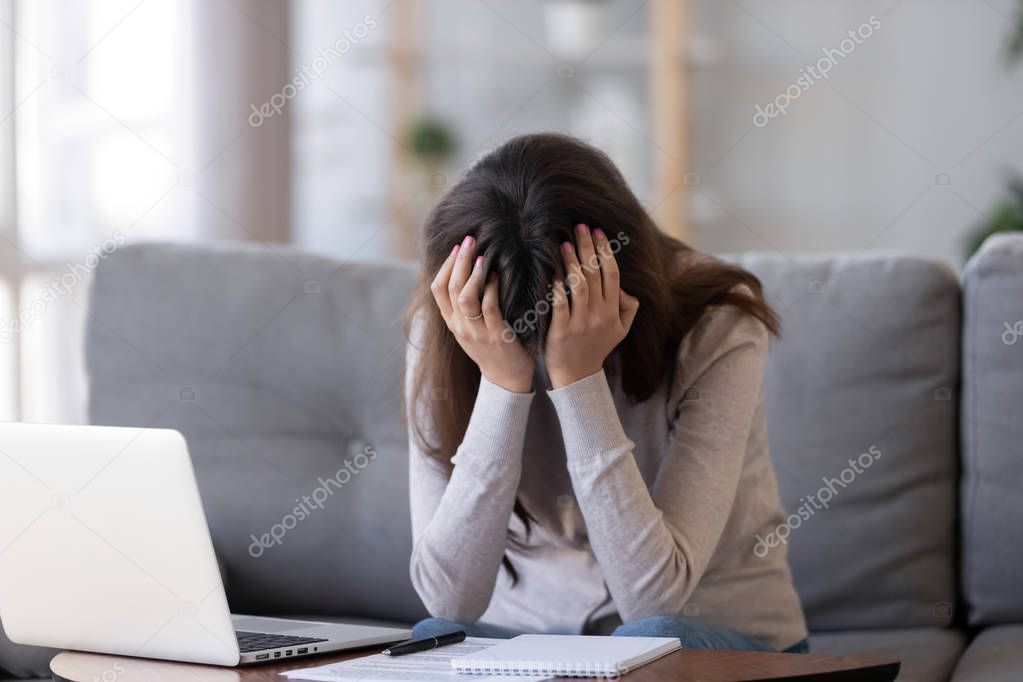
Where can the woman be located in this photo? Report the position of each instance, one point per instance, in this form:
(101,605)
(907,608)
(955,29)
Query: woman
(586,409)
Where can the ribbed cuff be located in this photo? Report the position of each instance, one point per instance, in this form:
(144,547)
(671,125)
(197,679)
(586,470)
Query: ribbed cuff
(497,427)
(589,419)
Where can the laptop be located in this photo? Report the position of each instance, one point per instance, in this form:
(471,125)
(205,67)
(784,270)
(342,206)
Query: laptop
(104,547)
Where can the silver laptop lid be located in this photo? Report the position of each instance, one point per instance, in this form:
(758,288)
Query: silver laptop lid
(104,545)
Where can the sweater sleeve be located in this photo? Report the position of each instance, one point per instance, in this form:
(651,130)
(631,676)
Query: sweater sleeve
(654,545)
(460,520)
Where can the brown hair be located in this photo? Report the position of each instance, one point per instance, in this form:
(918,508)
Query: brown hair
(520,202)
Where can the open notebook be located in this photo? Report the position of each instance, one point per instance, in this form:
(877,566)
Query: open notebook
(566,655)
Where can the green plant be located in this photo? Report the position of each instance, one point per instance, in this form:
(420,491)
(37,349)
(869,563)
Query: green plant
(1008,214)
(1007,217)
(431,140)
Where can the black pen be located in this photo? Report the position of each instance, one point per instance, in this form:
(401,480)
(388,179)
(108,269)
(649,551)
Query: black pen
(426,643)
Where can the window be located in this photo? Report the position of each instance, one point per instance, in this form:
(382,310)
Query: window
(96,126)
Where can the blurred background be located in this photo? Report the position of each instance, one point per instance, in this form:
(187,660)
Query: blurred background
(333,126)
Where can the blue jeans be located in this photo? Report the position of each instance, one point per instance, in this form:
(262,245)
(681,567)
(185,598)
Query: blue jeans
(694,633)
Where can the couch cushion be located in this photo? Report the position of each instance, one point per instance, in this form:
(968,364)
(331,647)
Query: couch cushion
(868,363)
(995,655)
(992,432)
(284,372)
(927,654)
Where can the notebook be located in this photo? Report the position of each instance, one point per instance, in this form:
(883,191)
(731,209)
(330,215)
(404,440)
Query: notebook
(566,655)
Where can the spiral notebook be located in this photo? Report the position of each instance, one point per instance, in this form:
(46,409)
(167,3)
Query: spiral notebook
(566,655)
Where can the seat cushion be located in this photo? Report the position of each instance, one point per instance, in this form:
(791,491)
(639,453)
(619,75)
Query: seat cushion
(994,655)
(284,372)
(927,654)
(862,410)
(992,432)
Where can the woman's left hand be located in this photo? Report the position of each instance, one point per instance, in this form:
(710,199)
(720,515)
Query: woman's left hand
(584,331)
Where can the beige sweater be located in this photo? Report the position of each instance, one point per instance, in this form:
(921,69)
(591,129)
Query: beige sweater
(642,509)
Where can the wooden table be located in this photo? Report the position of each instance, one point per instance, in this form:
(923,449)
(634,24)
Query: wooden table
(687,665)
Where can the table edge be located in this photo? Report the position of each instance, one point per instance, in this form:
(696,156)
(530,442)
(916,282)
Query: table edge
(873,670)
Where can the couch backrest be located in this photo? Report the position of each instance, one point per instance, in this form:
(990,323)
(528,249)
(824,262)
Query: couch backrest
(279,366)
(992,433)
(862,408)
(284,372)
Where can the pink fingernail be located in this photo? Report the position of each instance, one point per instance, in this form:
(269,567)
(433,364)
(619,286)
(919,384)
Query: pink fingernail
(479,261)
(467,242)
(581,229)
(454,249)
(567,246)
(600,234)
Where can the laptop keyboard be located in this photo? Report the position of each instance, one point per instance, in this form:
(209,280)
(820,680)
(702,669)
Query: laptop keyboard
(257,641)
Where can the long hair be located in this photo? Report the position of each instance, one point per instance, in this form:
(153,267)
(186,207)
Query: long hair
(520,202)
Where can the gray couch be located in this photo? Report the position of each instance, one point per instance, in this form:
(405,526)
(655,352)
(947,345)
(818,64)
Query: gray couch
(279,365)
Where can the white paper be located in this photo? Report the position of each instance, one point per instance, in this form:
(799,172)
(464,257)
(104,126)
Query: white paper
(426,666)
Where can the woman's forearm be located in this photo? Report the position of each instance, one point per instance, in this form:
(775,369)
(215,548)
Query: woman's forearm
(460,524)
(652,545)
(645,570)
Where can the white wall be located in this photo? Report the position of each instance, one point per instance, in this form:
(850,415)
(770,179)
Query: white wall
(853,164)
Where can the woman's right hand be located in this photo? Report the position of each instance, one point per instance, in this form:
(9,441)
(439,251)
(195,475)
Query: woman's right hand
(477,324)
